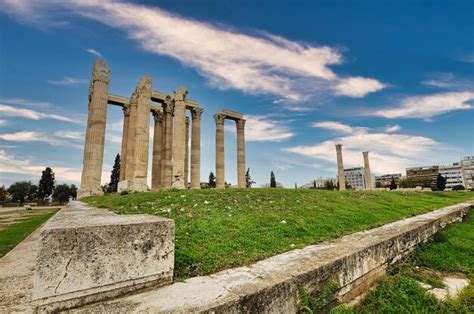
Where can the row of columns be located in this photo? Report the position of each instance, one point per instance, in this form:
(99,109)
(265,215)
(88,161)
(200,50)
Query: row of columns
(220,156)
(340,169)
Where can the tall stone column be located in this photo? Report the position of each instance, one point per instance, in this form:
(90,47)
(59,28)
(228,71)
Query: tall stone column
(137,146)
(123,152)
(156,176)
(240,153)
(340,168)
(167,155)
(179,147)
(186,156)
(220,157)
(95,131)
(196,148)
(367,172)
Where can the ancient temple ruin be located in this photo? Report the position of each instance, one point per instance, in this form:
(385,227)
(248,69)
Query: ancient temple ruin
(171,156)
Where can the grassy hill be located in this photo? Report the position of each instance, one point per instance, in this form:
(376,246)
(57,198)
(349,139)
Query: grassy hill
(217,229)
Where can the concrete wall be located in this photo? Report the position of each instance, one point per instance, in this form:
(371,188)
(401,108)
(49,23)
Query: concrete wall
(354,262)
(88,254)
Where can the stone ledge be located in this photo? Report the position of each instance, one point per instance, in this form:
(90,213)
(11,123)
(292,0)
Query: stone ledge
(270,286)
(89,254)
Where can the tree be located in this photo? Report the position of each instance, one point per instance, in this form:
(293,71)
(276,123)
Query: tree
(378,184)
(114,176)
(441,182)
(4,196)
(393,184)
(63,192)
(212,180)
(273,183)
(248,179)
(314,184)
(296,185)
(329,185)
(46,183)
(19,191)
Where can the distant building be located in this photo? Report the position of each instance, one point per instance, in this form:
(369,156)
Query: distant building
(319,183)
(427,174)
(355,177)
(453,175)
(467,169)
(386,179)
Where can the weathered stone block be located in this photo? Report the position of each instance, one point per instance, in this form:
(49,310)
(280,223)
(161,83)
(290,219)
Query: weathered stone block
(89,254)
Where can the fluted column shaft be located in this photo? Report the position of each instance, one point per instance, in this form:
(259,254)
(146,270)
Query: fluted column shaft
(220,157)
(156,176)
(196,148)
(186,156)
(340,168)
(179,147)
(95,132)
(367,172)
(123,152)
(240,153)
(167,155)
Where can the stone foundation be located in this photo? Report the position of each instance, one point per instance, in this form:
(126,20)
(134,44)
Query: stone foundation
(88,254)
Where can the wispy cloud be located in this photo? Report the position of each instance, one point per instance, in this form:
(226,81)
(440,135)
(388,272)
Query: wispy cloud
(388,152)
(426,107)
(339,127)
(58,138)
(392,128)
(15,164)
(257,64)
(94,52)
(263,129)
(67,81)
(11,111)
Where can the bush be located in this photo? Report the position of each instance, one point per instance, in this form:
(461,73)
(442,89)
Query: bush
(458,187)
(124,192)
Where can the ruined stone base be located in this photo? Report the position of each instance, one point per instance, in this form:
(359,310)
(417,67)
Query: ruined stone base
(88,254)
(134,185)
(88,192)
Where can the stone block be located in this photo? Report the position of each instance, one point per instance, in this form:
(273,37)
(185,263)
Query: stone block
(89,254)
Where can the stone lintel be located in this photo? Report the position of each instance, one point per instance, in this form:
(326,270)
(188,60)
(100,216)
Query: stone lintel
(229,114)
(88,254)
(118,100)
(158,96)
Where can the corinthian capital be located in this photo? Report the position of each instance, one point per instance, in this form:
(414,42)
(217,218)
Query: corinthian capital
(168,105)
(196,112)
(158,115)
(240,124)
(219,118)
(180,93)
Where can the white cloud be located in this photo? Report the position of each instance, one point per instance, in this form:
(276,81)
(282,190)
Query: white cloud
(94,52)
(3,122)
(392,128)
(72,135)
(358,86)
(260,129)
(62,137)
(388,152)
(11,111)
(14,164)
(255,64)
(338,127)
(26,102)
(67,81)
(426,107)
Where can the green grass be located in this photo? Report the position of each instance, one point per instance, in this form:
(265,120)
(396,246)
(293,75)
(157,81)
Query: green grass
(17,232)
(217,229)
(450,250)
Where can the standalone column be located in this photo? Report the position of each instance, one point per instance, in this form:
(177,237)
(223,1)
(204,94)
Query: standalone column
(367,172)
(220,158)
(167,155)
(186,156)
(241,153)
(196,148)
(123,153)
(340,168)
(95,132)
(179,148)
(137,146)
(157,150)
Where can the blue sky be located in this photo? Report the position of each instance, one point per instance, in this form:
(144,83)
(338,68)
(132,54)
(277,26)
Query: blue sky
(392,77)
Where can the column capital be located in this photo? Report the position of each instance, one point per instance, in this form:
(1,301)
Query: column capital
(100,72)
(219,118)
(158,115)
(126,110)
(187,121)
(196,112)
(240,124)
(180,93)
(168,106)
(339,147)
(365,153)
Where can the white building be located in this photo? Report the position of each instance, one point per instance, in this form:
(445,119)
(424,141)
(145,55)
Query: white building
(355,177)
(453,174)
(467,168)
